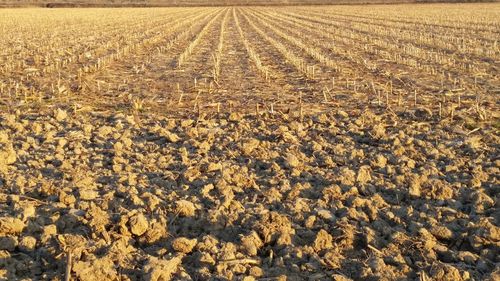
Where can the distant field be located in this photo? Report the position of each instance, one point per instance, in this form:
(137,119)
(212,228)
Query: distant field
(205,56)
(169,3)
(250,143)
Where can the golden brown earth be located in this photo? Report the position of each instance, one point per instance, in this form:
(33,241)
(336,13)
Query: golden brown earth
(304,143)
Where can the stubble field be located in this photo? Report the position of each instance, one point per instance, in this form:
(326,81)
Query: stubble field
(250,143)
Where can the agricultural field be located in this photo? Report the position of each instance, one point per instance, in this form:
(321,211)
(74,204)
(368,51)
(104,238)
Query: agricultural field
(250,143)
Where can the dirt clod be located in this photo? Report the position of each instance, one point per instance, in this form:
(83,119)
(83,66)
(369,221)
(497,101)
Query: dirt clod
(291,160)
(9,225)
(323,241)
(102,267)
(183,245)
(60,115)
(185,208)
(162,269)
(138,224)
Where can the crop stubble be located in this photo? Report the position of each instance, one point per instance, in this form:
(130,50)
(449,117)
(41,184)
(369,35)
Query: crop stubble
(278,143)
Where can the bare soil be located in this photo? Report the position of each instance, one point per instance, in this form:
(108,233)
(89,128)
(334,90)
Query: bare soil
(359,195)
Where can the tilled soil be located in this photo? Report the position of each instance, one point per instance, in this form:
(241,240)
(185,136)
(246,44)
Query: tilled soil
(362,195)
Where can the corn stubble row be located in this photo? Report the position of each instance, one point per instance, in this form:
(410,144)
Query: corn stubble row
(390,53)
